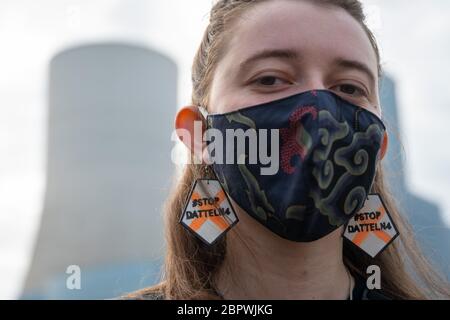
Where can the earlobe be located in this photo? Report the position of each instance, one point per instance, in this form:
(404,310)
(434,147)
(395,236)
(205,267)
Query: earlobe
(384,145)
(190,127)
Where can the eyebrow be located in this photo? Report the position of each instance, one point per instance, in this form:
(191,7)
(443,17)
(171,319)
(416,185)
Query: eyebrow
(285,54)
(357,65)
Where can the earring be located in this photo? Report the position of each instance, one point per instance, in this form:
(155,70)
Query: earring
(372,228)
(208,212)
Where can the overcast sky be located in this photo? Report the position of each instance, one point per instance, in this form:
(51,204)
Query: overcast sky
(414,37)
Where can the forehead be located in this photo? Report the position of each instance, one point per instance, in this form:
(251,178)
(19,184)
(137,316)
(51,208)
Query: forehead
(318,33)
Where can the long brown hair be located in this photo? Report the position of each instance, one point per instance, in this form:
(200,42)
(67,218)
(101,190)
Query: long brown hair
(190,266)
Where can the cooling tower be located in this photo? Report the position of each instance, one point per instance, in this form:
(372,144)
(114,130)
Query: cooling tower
(110,118)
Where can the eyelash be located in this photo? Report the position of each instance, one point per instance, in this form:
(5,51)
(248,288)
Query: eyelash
(257,80)
(362,91)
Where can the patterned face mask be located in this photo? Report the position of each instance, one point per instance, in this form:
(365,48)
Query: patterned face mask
(328,150)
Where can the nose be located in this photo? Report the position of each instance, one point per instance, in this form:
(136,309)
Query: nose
(312,81)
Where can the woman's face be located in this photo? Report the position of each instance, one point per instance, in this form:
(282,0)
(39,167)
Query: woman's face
(280,48)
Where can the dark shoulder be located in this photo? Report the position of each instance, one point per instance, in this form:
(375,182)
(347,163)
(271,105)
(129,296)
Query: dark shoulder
(361,292)
(374,295)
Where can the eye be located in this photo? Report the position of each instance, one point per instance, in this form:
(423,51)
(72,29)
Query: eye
(351,89)
(269,81)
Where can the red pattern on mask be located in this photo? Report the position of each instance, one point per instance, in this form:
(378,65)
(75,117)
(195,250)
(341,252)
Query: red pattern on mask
(290,146)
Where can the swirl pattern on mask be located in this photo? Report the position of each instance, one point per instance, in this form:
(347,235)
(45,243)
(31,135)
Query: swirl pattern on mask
(331,132)
(361,157)
(354,199)
(352,157)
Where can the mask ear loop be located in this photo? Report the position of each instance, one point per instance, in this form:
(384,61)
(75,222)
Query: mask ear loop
(205,115)
(203,112)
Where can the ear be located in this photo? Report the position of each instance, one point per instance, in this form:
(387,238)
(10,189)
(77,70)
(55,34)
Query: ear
(190,126)
(384,145)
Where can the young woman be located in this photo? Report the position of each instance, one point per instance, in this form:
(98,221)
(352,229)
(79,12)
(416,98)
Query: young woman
(263,53)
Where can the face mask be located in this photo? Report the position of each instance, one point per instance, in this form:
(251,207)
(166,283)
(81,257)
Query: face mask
(328,150)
